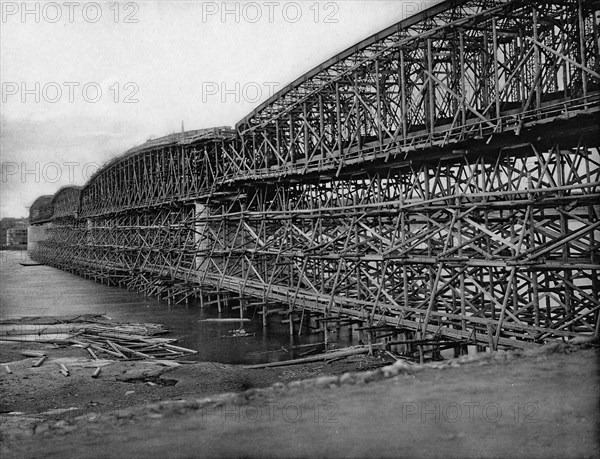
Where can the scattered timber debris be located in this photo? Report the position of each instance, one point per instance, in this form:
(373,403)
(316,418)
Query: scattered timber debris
(97,334)
(239,333)
(330,356)
(39,362)
(28,353)
(63,369)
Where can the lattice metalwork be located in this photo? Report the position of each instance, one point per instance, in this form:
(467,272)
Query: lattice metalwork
(173,168)
(461,70)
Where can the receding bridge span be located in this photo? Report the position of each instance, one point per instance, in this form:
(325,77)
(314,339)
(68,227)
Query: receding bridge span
(442,176)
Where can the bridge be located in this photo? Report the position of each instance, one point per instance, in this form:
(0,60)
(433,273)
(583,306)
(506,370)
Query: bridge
(440,177)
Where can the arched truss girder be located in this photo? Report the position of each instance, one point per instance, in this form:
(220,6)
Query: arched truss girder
(462,70)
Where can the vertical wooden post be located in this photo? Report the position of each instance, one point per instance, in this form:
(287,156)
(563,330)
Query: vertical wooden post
(582,54)
(404,115)
(537,60)
(431,87)
(495,53)
(338,114)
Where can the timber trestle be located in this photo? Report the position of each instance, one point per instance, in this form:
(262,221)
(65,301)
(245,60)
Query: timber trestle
(441,177)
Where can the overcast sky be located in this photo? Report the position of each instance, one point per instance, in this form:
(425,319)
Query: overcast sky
(84,81)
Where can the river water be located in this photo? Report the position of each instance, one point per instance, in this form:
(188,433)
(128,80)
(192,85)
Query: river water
(46,291)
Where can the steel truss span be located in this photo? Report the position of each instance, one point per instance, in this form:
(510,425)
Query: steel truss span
(461,70)
(442,176)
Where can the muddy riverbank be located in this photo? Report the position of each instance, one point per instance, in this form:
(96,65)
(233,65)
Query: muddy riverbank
(540,403)
(30,394)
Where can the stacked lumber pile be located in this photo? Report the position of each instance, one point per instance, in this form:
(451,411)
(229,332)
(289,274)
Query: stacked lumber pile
(97,334)
(130,347)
